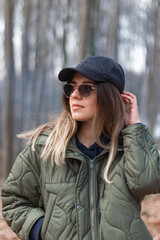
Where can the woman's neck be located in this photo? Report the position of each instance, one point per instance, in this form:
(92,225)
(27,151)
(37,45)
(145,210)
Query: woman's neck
(85,134)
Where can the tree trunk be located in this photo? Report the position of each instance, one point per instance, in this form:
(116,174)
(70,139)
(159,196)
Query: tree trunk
(153,78)
(9,89)
(25,63)
(42,62)
(36,28)
(84,31)
(113,30)
(144,107)
(89,22)
(65,30)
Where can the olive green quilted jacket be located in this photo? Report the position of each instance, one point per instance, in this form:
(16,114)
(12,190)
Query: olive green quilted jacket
(75,201)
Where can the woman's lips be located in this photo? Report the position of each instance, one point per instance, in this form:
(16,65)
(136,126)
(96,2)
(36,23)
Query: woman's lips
(76,106)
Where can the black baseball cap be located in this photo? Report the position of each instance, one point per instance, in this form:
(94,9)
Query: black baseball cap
(99,69)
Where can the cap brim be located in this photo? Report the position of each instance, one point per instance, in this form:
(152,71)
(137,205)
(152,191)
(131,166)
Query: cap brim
(66,74)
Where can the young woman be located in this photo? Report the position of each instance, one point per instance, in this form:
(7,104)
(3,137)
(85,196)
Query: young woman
(84,175)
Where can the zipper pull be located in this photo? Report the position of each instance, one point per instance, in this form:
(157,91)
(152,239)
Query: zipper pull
(91,163)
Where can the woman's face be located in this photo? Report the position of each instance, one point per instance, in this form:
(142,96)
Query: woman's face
(83,108)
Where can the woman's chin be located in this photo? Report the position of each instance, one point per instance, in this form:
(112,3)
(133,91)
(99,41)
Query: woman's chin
(81,118)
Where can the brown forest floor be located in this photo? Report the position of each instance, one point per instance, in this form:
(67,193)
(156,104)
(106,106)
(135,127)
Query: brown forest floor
(150,215)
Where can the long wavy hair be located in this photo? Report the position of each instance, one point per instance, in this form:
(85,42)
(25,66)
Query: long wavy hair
(108,120)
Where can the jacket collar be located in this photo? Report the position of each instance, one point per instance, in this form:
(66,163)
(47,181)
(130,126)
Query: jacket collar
(73,152)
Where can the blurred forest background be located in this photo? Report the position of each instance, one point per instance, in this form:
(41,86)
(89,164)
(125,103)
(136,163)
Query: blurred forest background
(38,38)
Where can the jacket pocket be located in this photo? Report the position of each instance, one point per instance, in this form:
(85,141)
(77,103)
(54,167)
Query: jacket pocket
(49,209)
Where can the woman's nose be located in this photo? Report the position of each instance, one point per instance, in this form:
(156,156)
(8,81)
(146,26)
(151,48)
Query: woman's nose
(76,94)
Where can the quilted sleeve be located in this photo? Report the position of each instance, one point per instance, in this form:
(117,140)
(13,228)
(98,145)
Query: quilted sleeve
(142,161)
(21,194)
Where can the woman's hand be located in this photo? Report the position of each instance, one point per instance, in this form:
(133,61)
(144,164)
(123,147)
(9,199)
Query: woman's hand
(131,108)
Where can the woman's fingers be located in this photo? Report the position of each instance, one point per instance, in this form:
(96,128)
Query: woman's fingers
(131,110)
(129,98)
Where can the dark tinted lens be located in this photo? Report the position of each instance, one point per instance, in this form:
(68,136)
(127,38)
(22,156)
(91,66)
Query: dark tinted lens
(85,90)
(68,89)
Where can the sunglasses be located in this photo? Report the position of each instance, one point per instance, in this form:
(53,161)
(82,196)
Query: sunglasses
(83,89)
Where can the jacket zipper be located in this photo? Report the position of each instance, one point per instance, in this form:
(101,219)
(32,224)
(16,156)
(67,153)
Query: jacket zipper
(76,197)
(92,201)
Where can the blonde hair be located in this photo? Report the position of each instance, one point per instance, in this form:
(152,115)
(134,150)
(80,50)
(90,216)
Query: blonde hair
(109,120)
(61,130)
